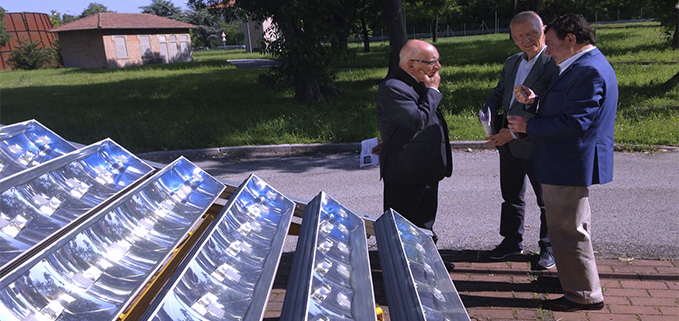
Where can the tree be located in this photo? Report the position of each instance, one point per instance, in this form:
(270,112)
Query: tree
(208,29)
(369,17)
(55,18)
(667,12)
(533,5)
(393,17)
(92,9)
(311,36)
(163,8)
(234,31)
(4,36)
(431,13)
(28,56)
(66,18)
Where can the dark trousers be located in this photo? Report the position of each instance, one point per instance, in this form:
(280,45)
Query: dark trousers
(513,172)
(415,202)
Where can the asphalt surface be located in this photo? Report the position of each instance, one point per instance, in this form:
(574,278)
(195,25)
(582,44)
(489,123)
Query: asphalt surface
(635,216)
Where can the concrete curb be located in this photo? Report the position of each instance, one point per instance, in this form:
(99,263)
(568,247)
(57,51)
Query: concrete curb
(299,149)
(280,150)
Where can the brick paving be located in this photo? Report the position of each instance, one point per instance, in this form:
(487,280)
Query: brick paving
(634,290)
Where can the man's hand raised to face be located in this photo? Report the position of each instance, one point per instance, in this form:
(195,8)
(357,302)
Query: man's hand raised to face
(432,81)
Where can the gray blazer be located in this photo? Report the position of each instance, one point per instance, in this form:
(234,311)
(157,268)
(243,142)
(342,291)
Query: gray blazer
(543,74)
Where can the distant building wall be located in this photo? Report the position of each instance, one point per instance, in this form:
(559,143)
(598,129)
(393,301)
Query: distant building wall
(26,25)
(255,32)
(83,49)
(137,47)
(119,49)
(270,30)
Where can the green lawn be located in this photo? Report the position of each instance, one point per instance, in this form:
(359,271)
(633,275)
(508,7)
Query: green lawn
(209,103)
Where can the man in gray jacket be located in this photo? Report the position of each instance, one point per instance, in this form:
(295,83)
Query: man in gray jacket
(535,69)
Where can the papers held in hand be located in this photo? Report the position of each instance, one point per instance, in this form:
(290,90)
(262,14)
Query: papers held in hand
(486,119)
(367,157)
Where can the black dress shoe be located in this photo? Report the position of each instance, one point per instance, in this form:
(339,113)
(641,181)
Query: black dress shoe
(505,250)
(564,305)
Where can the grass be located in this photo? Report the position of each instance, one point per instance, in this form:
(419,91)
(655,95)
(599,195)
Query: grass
(210,103)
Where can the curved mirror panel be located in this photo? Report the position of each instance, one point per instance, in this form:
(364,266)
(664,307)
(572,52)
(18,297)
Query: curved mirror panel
(36,203)
(330,275)
(95,270)
(414,272)
(28,144)
(231,272)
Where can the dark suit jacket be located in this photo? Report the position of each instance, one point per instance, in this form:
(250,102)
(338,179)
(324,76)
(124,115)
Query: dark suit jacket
(543,73)
(574,125)
(415,144)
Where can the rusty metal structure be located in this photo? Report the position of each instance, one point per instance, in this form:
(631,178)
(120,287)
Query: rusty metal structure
(26,25)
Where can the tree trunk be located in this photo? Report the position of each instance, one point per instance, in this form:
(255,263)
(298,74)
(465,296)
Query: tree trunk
(306,88)
(435,36)
(672,82)
(366,38)
(340,42)
(393,17)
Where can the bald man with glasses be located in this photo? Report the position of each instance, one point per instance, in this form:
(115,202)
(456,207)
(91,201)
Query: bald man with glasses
(415,152)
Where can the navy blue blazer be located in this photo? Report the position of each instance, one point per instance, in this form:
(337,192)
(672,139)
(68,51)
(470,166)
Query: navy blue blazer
(415,144)
(574,125)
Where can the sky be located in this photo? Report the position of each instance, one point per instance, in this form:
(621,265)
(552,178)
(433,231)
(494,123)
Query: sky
(76,7)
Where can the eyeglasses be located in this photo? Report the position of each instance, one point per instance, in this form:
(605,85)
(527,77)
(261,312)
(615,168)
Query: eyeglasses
(428,62)
(528,36)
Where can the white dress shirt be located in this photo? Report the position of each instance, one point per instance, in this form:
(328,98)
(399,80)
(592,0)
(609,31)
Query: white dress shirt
(523,70)
(566,63)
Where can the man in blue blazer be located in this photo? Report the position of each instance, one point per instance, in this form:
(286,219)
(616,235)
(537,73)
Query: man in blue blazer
(533,68)
(415,152)
(572,149)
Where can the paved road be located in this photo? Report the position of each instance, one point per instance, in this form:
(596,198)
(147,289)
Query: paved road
(637,215)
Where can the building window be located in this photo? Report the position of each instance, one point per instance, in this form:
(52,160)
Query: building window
(185,47)
(174,50)
(145,46)
(121,47)
(162,40)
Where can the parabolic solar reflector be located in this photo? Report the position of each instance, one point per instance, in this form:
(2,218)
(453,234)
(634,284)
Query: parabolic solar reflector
(330,276)
(96,269)
(416,281)
(27,144)
(39,202)
(231,270)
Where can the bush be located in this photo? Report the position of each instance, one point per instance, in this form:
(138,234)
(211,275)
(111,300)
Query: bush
(28,56)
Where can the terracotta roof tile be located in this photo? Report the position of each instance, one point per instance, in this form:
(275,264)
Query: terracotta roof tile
(113,20)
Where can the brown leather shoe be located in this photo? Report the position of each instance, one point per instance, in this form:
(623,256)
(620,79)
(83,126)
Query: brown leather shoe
(564,305)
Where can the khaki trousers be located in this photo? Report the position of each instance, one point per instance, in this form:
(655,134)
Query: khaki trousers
(569,221)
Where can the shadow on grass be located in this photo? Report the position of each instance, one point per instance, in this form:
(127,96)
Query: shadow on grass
(223,107)
(173,66)
(632,98)
(215,105)
(454,51)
